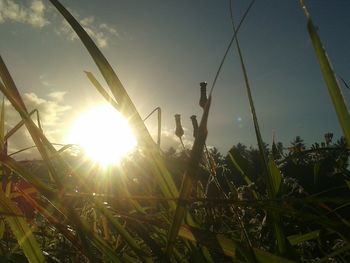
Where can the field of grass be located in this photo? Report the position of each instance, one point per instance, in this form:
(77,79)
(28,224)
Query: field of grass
(270,204)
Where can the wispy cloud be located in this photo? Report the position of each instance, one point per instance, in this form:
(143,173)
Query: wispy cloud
(32,14)
(36,14)
(50,109)
(100,32)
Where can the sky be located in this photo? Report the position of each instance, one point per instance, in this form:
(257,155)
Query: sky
(161,50)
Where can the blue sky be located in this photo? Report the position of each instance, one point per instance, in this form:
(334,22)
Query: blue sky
(161,50)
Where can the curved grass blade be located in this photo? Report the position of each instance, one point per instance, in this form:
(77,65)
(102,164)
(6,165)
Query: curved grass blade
(127,108)
(329,77)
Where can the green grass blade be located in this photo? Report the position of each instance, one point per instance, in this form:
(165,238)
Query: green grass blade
(329,77)
(276,177)
(21,231)
(297,239)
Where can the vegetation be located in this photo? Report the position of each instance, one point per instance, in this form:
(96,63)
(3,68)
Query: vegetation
(271,204)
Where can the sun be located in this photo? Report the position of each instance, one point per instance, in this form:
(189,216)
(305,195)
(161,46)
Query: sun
(104,135)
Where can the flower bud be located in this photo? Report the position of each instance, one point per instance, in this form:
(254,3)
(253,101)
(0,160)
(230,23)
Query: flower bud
(203,99)
(195,125)
(179,132)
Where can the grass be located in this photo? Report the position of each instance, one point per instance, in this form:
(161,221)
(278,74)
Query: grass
(147,216)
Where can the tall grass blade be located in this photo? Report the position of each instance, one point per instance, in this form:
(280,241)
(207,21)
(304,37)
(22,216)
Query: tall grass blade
(272,177)
(329,77)
(21,231)
(127,108)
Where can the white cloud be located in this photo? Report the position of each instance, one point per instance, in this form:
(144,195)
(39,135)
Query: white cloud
(57,95)
(99,32)
(35,13)
(109,29)
(14,11)
(50,109)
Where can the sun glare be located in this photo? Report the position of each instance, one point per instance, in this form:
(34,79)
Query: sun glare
(104,135)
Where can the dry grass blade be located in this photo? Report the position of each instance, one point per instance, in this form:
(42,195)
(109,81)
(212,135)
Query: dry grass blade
(189,179)
(329,77)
